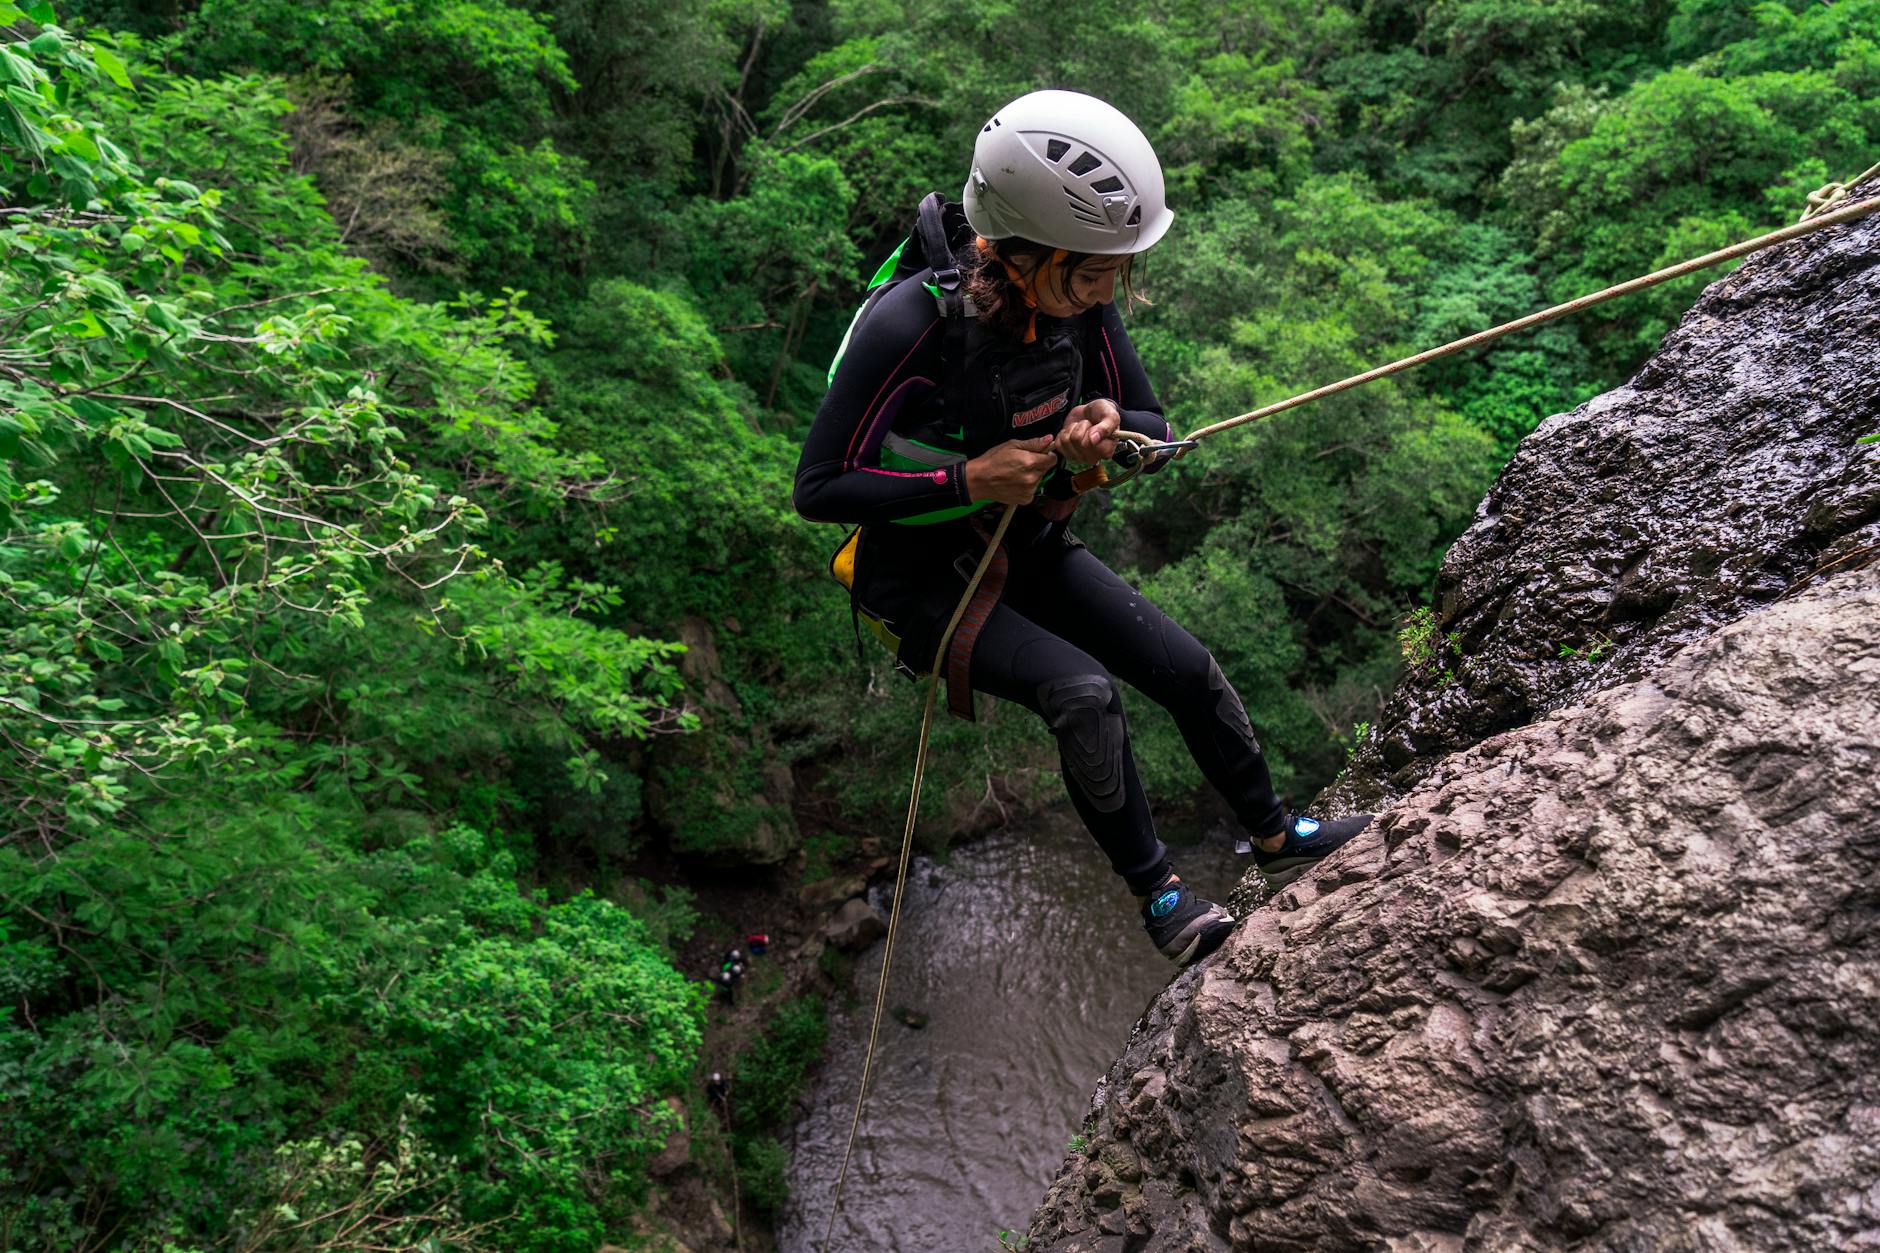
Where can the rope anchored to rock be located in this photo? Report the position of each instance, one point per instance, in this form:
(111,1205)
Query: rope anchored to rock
(1821,214)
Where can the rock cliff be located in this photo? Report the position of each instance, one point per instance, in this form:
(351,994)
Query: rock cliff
(1609,975)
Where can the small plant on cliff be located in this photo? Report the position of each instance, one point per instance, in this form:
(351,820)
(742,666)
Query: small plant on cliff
(1425,649)
(1418,639)
(1077,1143)
(1012,1240)
(1597,650)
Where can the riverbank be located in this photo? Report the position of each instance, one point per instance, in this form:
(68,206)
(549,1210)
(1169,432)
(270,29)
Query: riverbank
(710,1193)
(719,1185)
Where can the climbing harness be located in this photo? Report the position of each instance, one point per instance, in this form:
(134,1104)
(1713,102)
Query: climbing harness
(1820,215)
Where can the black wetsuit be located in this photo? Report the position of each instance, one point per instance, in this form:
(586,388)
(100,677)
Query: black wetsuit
(1065,624)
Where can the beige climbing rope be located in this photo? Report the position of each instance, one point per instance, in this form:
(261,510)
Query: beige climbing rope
(1819,216)
(907,849)
(1833,193)
(1807,226)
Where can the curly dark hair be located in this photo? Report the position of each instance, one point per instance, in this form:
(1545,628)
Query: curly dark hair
(1000,298)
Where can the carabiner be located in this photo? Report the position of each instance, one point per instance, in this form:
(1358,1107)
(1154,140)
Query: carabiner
(1136,452)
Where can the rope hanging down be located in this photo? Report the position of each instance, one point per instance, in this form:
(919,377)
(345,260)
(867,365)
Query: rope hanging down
(1819,216)
(907,848)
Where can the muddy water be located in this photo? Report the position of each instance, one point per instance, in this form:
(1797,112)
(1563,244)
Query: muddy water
(1028,957)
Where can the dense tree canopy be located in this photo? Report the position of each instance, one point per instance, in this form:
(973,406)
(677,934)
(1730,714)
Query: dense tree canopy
(386,387)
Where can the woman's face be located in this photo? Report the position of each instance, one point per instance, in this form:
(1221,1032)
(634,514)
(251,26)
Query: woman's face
(1064,295)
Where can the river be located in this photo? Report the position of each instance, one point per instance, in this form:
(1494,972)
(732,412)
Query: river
(1030,960)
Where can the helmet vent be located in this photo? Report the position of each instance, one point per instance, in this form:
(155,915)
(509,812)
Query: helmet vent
(1082,211)
(1086,163)
(1054,150)
(1112,183)
(1135,217)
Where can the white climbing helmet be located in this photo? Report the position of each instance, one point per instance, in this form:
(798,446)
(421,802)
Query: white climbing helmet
(1068,170)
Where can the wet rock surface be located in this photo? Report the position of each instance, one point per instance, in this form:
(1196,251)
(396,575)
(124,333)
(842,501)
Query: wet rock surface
(1721,476)
(1609,976)
(1611,980)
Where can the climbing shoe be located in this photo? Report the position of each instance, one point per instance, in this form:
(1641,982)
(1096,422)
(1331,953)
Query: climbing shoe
(1184,926)
(1307,841)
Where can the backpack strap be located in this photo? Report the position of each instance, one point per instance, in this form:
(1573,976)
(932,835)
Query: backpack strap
(930,225)
(957,312)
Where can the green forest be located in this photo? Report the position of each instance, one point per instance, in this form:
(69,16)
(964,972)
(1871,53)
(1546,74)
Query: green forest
(398,407)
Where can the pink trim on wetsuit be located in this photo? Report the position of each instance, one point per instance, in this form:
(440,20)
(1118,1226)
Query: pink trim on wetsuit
(884,415)
(1116,381)
(873,405)
(938,476)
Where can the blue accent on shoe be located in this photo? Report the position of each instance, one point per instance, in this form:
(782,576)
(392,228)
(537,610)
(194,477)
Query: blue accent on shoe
(1182,925)
(1307,841)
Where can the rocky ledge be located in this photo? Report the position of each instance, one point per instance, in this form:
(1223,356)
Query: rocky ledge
(1609,977)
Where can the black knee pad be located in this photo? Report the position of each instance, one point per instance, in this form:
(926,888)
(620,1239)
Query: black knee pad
(1091,737)
(1228,709)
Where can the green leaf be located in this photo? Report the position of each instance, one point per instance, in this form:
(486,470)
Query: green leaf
(41,12)
(46,43)
(80,145)
(105,649)
(15,70)
(112,65)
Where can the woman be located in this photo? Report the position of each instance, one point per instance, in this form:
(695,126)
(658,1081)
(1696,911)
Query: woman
(930,421)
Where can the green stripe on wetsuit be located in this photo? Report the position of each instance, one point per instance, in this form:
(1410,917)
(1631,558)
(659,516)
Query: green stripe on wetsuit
(900,453)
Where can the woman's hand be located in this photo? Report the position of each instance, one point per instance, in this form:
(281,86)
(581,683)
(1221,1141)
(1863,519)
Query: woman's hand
(1089,433)
(1010,473)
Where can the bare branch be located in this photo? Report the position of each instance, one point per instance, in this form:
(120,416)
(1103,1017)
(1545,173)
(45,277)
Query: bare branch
(858,115)
(794,114)
(272,300)
(198,414)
